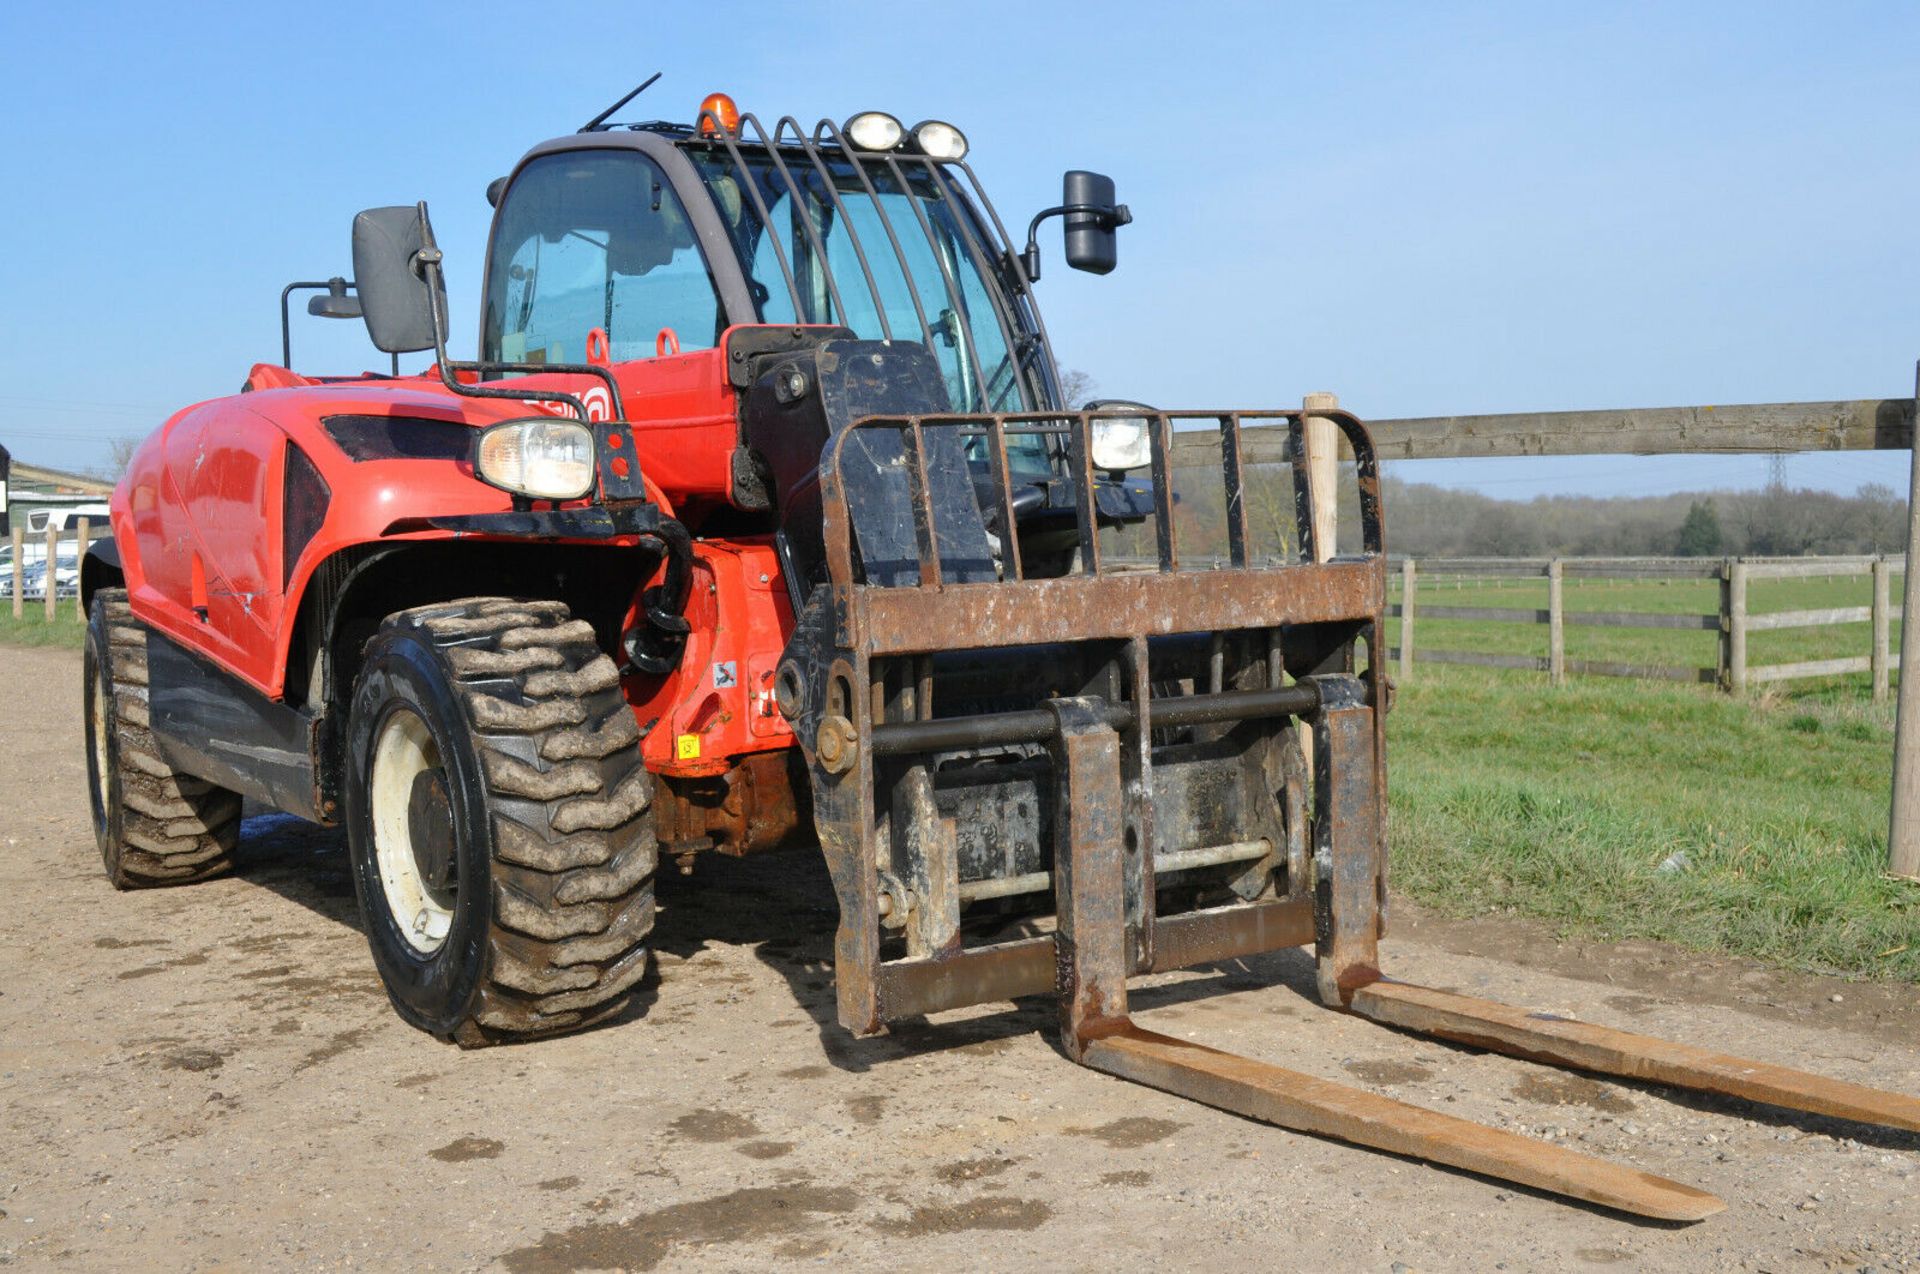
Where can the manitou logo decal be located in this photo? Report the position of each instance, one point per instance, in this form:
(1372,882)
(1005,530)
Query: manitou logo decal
(598,401)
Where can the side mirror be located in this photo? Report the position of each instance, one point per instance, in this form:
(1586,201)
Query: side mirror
(334,303)
(390,247)
(1092,217)
(1086,202)
(495,189)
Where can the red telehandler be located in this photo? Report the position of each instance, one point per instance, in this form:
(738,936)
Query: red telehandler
(760,520)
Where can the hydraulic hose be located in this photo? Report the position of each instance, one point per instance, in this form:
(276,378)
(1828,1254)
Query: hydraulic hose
(654,647)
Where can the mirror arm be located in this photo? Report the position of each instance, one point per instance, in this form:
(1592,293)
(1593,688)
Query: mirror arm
(286,324)
(426,266)
(1108,218)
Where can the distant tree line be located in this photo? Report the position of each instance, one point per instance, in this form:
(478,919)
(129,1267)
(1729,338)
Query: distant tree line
(1423,520)
(1777,521)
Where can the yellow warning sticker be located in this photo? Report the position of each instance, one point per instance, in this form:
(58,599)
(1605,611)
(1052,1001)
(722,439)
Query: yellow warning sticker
(687,747)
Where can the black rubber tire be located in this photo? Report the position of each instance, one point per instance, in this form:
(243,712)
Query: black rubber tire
(550,808)
(154,825)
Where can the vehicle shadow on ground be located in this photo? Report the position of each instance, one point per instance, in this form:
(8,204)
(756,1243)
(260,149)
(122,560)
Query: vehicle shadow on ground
(307,864)
(782,906)
(301,861)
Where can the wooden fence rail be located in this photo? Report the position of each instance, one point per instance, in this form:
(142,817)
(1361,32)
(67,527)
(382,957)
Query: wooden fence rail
(1733,621)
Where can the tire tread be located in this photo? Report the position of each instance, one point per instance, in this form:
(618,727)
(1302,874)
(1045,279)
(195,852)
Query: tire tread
(573,843)
(175,829)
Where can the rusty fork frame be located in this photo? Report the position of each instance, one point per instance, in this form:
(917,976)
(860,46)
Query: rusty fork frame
(861,693)
(1103,839)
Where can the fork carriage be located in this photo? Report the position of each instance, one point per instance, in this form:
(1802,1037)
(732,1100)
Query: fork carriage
(926,806)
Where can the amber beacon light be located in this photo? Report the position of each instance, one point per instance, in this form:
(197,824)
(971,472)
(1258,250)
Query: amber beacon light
(720,107)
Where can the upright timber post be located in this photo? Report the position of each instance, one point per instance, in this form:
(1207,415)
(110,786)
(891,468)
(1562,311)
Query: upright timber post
(82,532)
(1323,488)
(1733,620)
(1409,582)
(53,562)
(1323,471)
(1882,605)
(1903,832)
(19,572)
(1556,624)
(1727,626)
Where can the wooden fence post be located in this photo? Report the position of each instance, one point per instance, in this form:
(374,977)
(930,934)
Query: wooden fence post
(82,531)
(1903,821)
(1733,625)
(1323,471)
(1727,626)
(19,571)
(53,548)
(1409,577)
(1320,438)
(1882,594)
(1737,625)
(1556,626)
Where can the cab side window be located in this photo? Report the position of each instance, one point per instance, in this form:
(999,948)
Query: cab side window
(588,239)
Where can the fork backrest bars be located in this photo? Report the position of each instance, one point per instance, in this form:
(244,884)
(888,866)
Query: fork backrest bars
(1078,427)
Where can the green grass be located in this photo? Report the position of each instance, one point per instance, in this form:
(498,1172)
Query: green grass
(1673,647)
(32,629)
(1509,795)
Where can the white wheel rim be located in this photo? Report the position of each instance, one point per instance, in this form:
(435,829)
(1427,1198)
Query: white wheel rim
(404,751)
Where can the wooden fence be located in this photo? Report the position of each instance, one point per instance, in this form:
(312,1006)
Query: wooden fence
(1866,424)
(40,555)
(1733,621)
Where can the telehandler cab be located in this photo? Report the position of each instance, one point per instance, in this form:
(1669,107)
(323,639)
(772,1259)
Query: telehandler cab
(761,519)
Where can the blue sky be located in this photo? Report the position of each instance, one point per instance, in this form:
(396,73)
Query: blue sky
(1426,208)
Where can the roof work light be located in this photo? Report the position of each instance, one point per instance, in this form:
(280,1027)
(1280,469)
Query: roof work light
(938,139)
(874,130)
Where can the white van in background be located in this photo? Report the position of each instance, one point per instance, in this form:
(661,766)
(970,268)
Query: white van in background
(67,517)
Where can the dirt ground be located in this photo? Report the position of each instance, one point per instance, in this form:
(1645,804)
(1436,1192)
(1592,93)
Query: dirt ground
(210,1078)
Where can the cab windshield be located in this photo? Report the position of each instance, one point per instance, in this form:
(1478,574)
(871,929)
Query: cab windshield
(884,248)
(595,239)
(598,239)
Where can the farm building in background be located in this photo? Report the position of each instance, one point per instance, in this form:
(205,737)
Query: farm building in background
(32,497)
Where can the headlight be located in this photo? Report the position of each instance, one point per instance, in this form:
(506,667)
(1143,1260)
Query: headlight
(1120,443)
(543,458)
(874,130)
(940,140)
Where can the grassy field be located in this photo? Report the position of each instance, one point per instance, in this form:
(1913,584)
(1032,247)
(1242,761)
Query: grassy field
(34,630)
(1629,809)
(1633,809)
(1676,647)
